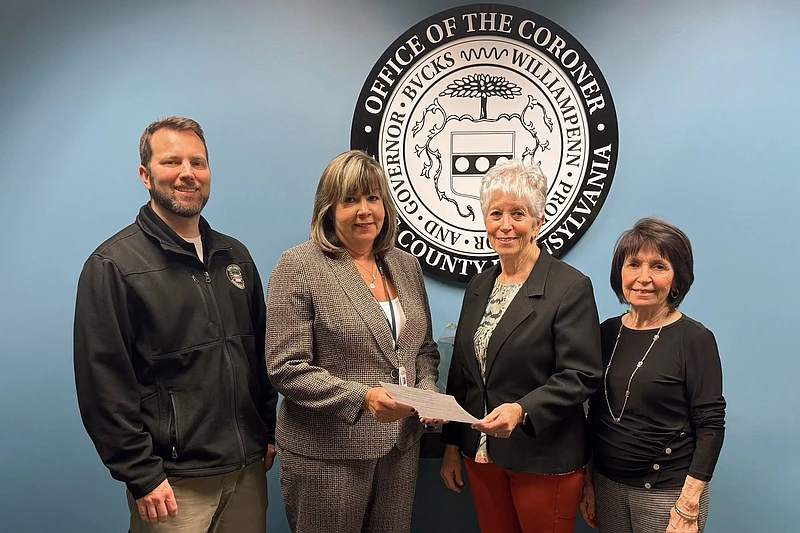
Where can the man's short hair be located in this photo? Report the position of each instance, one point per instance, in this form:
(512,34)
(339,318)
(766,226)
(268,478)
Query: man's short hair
(169,123)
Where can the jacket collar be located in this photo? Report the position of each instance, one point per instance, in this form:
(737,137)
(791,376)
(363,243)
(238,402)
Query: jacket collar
(364,302)
(521,307)
(157,229)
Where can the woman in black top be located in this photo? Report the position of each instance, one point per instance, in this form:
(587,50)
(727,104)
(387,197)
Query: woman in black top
(658,421)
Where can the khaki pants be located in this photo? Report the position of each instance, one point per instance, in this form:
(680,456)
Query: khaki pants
(230,503)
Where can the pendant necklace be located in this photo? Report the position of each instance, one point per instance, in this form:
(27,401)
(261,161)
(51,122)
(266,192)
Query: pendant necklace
(638,366)
(368,273)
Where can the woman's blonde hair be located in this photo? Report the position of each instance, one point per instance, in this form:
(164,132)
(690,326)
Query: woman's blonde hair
(349,174)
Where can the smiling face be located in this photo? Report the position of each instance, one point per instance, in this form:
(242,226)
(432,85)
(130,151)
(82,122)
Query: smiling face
(178,177)
(510,226)
(358,219)
(647,279)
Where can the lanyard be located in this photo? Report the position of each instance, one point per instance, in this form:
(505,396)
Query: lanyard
(393,322)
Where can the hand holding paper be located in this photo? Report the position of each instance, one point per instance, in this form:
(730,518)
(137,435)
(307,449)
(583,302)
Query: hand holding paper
(384,407)
(500,423)
(430,404)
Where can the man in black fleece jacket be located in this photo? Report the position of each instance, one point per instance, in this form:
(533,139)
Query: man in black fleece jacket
(169,353)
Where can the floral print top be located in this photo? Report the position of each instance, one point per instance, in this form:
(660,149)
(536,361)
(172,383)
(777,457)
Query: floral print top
(499,300)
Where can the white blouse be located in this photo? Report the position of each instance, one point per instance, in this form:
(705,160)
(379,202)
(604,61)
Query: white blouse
(399,316)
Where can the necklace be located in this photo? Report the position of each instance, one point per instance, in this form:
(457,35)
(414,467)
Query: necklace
(638,366)
(368,273)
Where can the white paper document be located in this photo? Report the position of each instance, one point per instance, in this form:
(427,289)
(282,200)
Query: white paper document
(430,404)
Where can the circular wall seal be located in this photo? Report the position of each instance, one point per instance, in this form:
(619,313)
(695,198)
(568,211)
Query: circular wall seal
(471,87)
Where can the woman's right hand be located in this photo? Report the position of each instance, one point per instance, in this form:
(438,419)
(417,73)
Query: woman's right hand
(451,469)
(384,408)
(587,504)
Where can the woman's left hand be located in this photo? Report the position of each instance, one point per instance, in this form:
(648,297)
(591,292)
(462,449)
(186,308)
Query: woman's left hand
(432,422)
(678,524)
(501,421)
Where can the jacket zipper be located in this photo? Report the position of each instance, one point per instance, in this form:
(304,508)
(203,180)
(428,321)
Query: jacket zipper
(173,425)
(229,362)
(202,294)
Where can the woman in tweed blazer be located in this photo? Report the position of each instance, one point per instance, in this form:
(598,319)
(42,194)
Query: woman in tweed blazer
(346,311)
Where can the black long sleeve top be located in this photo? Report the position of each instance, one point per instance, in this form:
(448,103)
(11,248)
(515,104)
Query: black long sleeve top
(674,421)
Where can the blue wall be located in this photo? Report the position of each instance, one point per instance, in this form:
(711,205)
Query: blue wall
(706,98)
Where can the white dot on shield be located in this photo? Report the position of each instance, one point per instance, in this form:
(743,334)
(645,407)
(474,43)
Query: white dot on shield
(368,128)
(601,127)
(482,164)
(501,160)
(462,164)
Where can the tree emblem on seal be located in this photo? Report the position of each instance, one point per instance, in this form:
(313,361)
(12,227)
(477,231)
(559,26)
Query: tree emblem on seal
(482,85)
(469,135)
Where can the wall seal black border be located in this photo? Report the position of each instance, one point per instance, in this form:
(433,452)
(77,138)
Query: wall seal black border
(367,119)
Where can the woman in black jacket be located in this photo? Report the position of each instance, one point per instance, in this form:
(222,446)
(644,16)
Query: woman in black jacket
(526,357)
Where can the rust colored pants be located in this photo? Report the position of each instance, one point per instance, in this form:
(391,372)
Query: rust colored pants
(517,502)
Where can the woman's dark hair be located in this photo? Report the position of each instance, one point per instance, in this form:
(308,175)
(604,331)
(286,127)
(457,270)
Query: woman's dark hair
(670,242)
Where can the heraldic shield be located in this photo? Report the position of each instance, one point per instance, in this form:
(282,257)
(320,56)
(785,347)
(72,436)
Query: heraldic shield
(459,148)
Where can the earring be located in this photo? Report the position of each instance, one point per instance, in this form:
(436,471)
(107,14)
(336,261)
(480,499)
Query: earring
(674,293)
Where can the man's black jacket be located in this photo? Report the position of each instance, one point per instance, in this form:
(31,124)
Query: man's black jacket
(169,355)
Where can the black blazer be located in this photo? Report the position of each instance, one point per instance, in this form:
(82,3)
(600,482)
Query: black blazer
(544,354)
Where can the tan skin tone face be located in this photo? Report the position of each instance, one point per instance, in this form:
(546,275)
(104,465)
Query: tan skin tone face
(510,227)
(179,174)
(647,280)
(358,219)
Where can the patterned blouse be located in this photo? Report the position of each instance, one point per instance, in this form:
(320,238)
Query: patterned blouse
(499,300)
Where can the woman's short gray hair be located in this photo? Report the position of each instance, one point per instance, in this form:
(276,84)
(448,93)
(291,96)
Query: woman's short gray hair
(515,178)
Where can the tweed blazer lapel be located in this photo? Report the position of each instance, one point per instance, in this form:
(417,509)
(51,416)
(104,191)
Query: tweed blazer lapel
(364,302)
(520,308)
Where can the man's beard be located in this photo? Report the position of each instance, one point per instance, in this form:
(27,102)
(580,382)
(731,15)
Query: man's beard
(169,202)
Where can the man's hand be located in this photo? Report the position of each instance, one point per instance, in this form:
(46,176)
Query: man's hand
(384,408)
(269,459)
(501,421)
(158,505)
